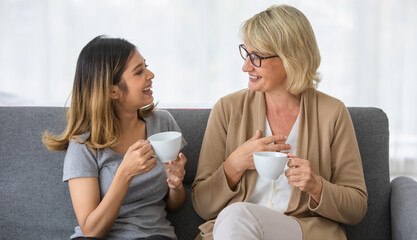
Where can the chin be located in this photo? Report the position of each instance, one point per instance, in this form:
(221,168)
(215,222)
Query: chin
(253,88)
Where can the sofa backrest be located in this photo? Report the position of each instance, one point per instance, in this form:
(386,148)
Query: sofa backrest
(193,125)
(35,204)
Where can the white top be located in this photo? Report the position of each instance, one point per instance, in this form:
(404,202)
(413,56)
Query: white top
(275,194)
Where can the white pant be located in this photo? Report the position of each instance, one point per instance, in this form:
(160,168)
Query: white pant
(244,220)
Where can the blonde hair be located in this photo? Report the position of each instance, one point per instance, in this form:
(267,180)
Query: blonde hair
(100,65)
(285,31)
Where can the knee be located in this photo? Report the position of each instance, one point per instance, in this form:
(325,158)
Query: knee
(233,211)
(237,221)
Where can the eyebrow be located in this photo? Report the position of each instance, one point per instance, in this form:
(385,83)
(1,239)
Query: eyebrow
(257,53)
(138,66)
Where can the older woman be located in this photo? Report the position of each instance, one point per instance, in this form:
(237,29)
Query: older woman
(323,186)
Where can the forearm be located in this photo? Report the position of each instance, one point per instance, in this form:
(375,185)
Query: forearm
(340,203)
(100,221)
(211,194)
(176,198)
(233,176)
(344,196)
(315,193)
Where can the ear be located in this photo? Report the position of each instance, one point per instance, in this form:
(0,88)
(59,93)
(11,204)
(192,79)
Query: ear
(114,92)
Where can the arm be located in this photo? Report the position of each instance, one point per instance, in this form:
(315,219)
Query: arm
(343,193)
(403,208)
(210,190)
(96,217)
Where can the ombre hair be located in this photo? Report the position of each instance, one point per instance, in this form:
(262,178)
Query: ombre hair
(284,31)
(100,65)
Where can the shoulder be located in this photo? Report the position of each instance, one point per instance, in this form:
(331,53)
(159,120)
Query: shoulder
(79,161)
(76,146)
(243,104)
(160,114)
(327,99)
(322,100)
(331,106)
(80,138)
(160,121)
(238,100)
(238,96)
(328,107)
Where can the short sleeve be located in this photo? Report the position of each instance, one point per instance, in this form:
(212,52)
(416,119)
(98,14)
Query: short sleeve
(173,126)
(79,162)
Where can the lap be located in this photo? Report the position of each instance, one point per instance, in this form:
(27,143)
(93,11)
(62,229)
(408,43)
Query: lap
(255,221)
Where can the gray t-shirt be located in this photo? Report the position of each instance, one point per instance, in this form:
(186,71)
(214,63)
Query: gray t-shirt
(142,213)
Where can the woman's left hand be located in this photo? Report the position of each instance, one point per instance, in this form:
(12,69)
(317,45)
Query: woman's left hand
(300,175)
(175,172)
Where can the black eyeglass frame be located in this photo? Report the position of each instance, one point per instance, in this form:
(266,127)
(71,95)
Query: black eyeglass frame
(252,55)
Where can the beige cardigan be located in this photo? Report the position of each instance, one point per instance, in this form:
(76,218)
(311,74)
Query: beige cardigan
(326,138)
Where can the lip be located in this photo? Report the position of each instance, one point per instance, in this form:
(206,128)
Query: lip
(149,91)
(149,86)
(253,78)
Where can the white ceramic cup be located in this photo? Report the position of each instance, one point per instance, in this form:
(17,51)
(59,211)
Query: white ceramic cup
(166,145)
(270,164)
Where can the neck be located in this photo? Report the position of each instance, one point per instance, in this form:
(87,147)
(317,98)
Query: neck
(128,120)
(282,101)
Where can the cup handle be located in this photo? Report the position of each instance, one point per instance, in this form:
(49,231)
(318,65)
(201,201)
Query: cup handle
(288,159)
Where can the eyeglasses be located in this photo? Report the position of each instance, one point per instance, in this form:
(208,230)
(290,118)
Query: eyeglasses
(254,59)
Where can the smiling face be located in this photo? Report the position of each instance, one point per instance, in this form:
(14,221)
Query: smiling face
(270,77)
(137,81)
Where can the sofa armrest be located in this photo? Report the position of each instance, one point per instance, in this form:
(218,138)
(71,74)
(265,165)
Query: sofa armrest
(403,208)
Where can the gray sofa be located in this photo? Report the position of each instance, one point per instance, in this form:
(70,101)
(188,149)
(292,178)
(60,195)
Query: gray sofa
(35,203)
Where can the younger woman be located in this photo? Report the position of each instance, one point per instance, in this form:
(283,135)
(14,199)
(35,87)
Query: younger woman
(118,188)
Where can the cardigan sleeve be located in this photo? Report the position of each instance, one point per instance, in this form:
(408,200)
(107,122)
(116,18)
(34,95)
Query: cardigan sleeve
(344,196)
(210,191)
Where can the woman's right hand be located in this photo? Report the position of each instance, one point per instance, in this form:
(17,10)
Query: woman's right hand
(138,159)
(242,158)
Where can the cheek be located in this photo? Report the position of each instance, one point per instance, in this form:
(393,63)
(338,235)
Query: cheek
(281,71)
(277,76)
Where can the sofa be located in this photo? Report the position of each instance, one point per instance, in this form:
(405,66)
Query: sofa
(35,203)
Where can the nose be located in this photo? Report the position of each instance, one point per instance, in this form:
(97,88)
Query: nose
(247,65)
(150,76)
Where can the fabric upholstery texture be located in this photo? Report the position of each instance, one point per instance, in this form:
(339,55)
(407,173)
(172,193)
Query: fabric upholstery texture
(404,208)
(35,203)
